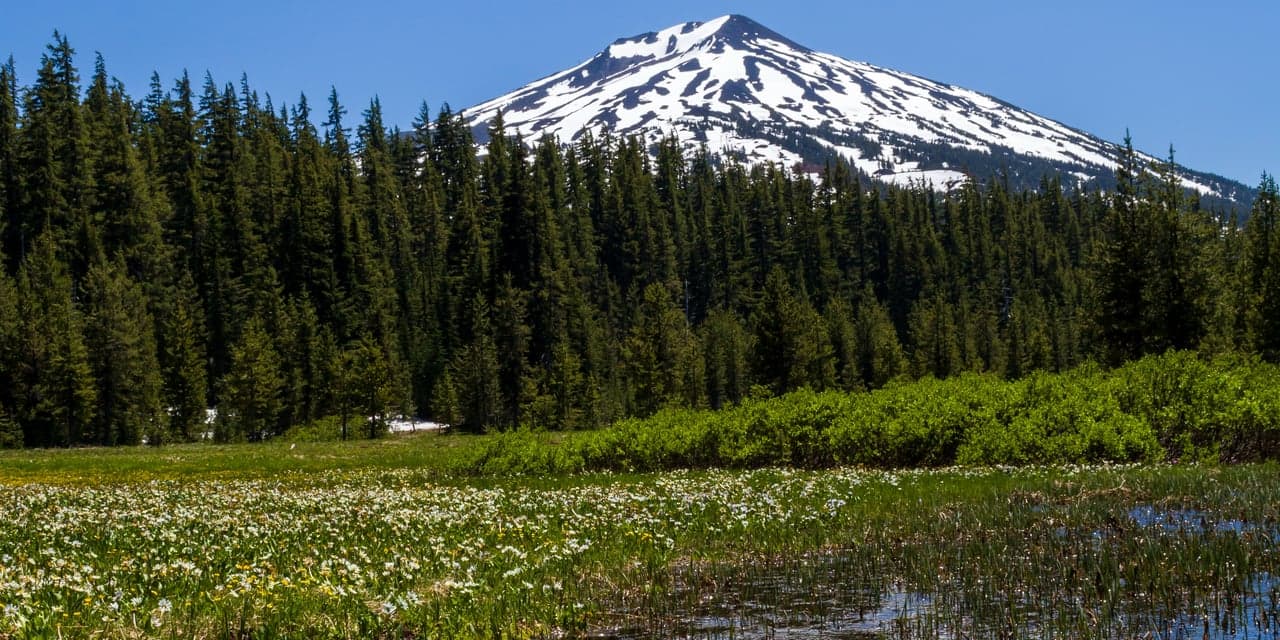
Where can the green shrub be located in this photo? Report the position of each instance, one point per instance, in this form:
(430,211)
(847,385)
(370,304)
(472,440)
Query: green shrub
(1173,406)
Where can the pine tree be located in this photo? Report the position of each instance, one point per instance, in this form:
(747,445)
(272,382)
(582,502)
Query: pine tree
(179,153)
(1176,297)
(11,337)
(306,354)
(12,241)
(813,242)
(306,228)
(123,209)
(726,347)
(792,349)
(880,353)
(426,307)
(120,339)
(1262,270)
(345,381)
(670,185)
(10,431)
(638,248)
(578,229)
(182,361)
(934,336)
(475,371)
(511,338)
(468,246)
(733,279)
(249,397)
(663,363)
(370,387)
(843,334)
(54,153)
(56,395)
(444,402)
(552,287)
(1122,267)
(1030,348)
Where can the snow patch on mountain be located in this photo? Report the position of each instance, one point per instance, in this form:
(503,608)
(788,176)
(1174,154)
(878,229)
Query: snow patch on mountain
(736,87)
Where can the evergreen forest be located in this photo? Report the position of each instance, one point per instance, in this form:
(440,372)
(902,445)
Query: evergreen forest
(202,247)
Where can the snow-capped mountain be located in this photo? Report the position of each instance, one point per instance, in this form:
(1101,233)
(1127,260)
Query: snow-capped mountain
(738,87)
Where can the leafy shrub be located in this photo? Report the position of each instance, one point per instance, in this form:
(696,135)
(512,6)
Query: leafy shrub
(1173,406)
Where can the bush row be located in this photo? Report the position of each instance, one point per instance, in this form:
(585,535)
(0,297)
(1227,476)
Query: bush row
(1172,407)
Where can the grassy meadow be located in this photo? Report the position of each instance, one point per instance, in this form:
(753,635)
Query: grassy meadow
(388,539)
(974,507)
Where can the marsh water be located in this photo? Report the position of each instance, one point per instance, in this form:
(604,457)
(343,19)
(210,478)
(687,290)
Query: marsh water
(1156,572)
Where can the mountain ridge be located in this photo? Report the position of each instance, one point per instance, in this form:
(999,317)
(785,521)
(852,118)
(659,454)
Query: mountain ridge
(737,87)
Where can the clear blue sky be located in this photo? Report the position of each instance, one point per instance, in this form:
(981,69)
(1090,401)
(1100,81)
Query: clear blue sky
(1201,75)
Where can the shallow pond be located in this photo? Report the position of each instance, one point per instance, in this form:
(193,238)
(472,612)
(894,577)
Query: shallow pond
(839,594)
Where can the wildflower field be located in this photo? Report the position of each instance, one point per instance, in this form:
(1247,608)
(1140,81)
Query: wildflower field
(192,542)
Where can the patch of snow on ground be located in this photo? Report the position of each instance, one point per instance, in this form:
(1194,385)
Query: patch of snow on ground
(945,179)
(413,425)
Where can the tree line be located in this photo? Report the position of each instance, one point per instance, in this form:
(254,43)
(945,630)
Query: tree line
(201,248)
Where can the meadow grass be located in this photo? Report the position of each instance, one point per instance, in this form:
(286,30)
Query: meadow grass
(430,452)
(383,539)
(780,517)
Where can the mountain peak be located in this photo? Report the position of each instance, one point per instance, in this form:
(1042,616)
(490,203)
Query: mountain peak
(735,86)
(740,28)
(729,30)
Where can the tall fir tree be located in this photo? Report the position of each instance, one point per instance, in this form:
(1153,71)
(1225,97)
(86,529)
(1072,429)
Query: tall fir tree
(843,334)
(54,155)
(935,337)
(12,241)
(1122,266)
(11,339)
(511,335)
(879,351)
(120,340)
(663,360)
(56,394)
(726,348)
(250,398)
(475,371)
(792,348)
(1262,270)
(1176,298)
(182,361)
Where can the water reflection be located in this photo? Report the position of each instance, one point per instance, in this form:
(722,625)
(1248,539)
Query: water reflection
(836,595)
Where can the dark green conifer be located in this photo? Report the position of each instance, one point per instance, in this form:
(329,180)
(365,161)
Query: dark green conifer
(726,348)
(792,348)
(476,372)
(120,341)
(55,392)
(11,192)
(880,353)
(249,400)
(1262,270)
(183,362)
(663,362)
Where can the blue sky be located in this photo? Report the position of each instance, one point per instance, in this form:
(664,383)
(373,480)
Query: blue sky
(1200,75)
